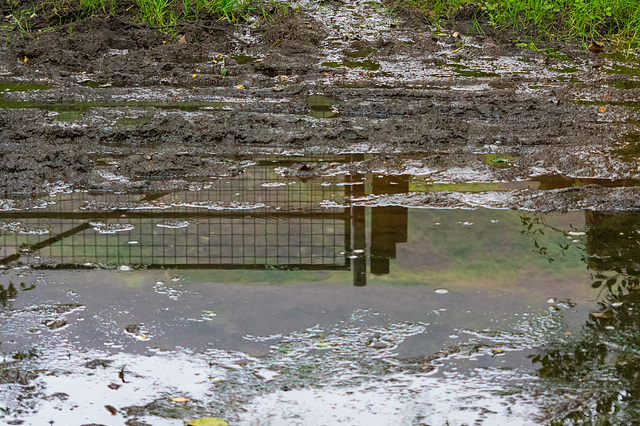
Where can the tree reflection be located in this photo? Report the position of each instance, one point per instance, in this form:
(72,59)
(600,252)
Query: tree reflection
(597,370)
(7,295)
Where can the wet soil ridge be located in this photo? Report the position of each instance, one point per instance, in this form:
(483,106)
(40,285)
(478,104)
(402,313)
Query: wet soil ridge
(116,105)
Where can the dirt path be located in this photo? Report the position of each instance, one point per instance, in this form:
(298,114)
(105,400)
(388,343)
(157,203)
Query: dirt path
(110,105)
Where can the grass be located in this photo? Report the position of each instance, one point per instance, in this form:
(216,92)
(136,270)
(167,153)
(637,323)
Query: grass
(585,20)
(164,15)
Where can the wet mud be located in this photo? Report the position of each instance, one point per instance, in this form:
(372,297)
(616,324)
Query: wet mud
(108,104)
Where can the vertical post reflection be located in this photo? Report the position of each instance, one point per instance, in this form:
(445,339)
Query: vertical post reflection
(358,229)
(388,224)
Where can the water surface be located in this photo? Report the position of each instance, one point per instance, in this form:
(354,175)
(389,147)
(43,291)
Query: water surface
(251,293)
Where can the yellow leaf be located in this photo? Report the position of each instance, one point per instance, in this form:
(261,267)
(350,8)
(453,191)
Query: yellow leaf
(239,86)
(455,34)
(602,109)
(180,399)
(207,421)
(194,75)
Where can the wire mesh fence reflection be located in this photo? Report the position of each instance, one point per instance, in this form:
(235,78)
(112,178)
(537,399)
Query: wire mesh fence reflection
(277,214)
(258,219)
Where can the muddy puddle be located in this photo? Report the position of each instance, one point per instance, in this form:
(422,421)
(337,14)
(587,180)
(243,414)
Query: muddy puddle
(333,216)
(282,295)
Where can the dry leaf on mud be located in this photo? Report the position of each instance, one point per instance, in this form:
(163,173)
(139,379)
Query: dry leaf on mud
(596,47)
(606,315)
(182,39)
(181,399)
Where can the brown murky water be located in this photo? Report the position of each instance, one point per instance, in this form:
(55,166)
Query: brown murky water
(274,298)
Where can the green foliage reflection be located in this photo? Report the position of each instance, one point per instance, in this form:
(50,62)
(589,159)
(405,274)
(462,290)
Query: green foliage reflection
(598,368)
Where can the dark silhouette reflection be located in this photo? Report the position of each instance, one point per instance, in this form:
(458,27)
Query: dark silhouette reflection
(601,365)
(7,295)
(359,227)
(275,215)
(613,251)
(388,224)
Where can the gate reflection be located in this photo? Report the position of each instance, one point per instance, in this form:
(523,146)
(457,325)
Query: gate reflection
(260,219)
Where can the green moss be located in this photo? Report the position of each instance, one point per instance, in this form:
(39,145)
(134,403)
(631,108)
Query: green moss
(366,64)
(6,86)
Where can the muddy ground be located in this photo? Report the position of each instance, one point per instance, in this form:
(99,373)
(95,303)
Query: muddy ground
(109,104)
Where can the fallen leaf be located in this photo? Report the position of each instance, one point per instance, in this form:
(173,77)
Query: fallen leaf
(194,75)
(596,47)
(111,409)
(602,315)
(602,109)
(182,39)
(456,34)
(239,86)
(207,421)
(181,399)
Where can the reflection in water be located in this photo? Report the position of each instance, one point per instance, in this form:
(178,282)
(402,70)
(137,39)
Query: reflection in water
(322,107)
(388,224)
(279,215)
(7,295)
(258,220)
(601,365)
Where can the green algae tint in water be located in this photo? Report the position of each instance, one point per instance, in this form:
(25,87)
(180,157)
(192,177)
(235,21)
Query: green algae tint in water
(283,292)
